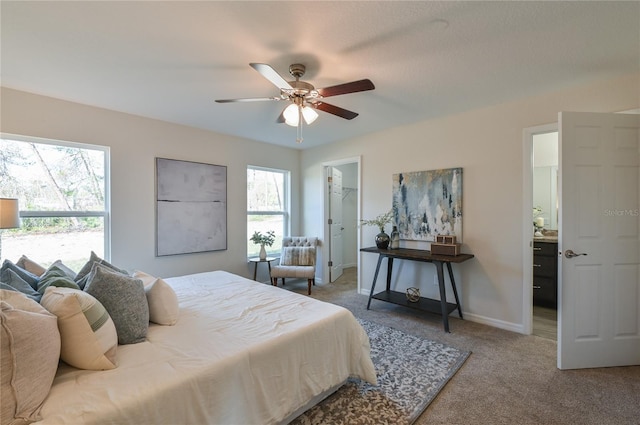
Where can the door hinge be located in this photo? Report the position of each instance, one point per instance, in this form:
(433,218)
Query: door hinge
(330,179)
(330,221)
(330,264)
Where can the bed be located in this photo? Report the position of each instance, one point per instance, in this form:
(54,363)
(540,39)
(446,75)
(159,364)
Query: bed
(241,352)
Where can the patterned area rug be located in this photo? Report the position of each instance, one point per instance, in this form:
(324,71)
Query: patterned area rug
(411,373)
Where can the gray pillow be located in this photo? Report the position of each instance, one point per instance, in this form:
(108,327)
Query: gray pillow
(55,276)
(16,283)
(28,277)
(70,273)
(82,276)
(124,299)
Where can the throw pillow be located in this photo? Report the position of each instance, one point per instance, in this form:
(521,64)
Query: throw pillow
(298,256)
(30,266)
(28,277)
(17,283)
(124,298)
(162,299)
(55,276)
(29,355)
(88,335)
(67,271)
(86,269)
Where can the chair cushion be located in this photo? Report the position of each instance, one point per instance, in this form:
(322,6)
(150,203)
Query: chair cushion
(306,272)
(298,256)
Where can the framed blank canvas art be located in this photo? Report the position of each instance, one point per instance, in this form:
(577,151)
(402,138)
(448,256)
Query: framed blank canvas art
(191,207)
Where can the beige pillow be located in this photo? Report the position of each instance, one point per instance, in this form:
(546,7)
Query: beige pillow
(89,338)
(29,354)
(162,299)
(30,266)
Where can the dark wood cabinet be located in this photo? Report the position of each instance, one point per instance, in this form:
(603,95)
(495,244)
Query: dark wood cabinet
(545,273)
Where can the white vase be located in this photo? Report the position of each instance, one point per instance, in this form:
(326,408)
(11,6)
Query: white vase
(263,253)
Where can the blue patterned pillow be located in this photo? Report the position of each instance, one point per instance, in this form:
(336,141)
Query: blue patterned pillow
(124,299)
(28,277)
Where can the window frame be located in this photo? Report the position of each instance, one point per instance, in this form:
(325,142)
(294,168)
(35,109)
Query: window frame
(286,202)
(105,215)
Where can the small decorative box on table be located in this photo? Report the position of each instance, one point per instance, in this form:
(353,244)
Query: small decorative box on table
(445,245)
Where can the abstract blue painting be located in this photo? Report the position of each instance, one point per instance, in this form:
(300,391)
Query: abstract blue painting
(428,203)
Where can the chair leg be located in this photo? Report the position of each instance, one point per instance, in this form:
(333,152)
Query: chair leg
(274,281)
(309,291)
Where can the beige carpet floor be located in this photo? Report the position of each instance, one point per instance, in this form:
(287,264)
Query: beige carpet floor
(509,378)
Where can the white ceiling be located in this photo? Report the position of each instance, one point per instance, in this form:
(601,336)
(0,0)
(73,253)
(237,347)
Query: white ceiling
(169,60)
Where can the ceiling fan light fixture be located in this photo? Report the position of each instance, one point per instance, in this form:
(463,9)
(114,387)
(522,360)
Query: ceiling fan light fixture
(309,114)
(290,115)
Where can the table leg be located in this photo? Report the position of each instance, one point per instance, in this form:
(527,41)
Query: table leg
(455,291)
(269,265)
(443,295)
(373,284)
(389,269)
(255,270)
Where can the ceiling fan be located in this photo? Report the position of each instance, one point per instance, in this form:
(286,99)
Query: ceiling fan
(304,98)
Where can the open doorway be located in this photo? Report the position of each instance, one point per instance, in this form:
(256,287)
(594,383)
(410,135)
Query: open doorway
(540,213)
(545,235)
(342,209)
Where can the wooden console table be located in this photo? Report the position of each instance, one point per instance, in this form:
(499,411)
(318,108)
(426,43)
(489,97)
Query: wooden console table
(440,306)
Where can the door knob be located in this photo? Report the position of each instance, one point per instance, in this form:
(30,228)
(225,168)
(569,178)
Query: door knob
(570,254)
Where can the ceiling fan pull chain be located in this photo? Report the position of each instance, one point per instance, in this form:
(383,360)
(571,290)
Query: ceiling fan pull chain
(299,130)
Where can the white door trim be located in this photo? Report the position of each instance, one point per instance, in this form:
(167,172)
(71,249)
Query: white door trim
(527,211)
(325,211)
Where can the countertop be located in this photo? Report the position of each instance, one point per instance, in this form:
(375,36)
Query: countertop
(547,239)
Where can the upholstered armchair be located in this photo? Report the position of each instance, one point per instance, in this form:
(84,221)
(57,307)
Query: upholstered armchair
(297,260)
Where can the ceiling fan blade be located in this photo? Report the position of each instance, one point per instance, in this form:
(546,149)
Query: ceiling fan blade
(335,110)
(270,74)
(352,87)
(248,99)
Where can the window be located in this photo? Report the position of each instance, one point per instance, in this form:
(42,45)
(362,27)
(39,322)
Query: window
(267,206)
(63,196)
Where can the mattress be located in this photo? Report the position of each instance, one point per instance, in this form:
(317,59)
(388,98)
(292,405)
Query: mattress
(241,352)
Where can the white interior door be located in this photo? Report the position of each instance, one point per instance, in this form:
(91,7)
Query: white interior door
(599,293)
(335,223)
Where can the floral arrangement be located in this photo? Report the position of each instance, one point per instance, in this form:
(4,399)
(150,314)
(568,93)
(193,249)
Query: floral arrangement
(264,239)
(380,221)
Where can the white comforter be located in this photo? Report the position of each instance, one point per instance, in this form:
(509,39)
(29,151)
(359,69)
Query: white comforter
(241,353)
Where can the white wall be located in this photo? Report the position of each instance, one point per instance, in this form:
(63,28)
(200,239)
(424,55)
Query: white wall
(487,143)
(134,143)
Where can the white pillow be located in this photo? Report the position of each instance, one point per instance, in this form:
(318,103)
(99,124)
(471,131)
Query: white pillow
(88,335)
(162,299)
(29,355)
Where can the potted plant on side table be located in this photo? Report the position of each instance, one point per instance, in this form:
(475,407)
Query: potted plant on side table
(382,239)
(261,239)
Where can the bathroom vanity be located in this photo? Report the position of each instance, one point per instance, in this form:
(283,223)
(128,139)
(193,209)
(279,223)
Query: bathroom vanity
(545,271)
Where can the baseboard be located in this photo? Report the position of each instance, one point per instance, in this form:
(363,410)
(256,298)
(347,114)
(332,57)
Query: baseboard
(501,324)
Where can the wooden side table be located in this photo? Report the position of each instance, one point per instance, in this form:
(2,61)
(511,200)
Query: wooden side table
(257,260)
(440,306)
